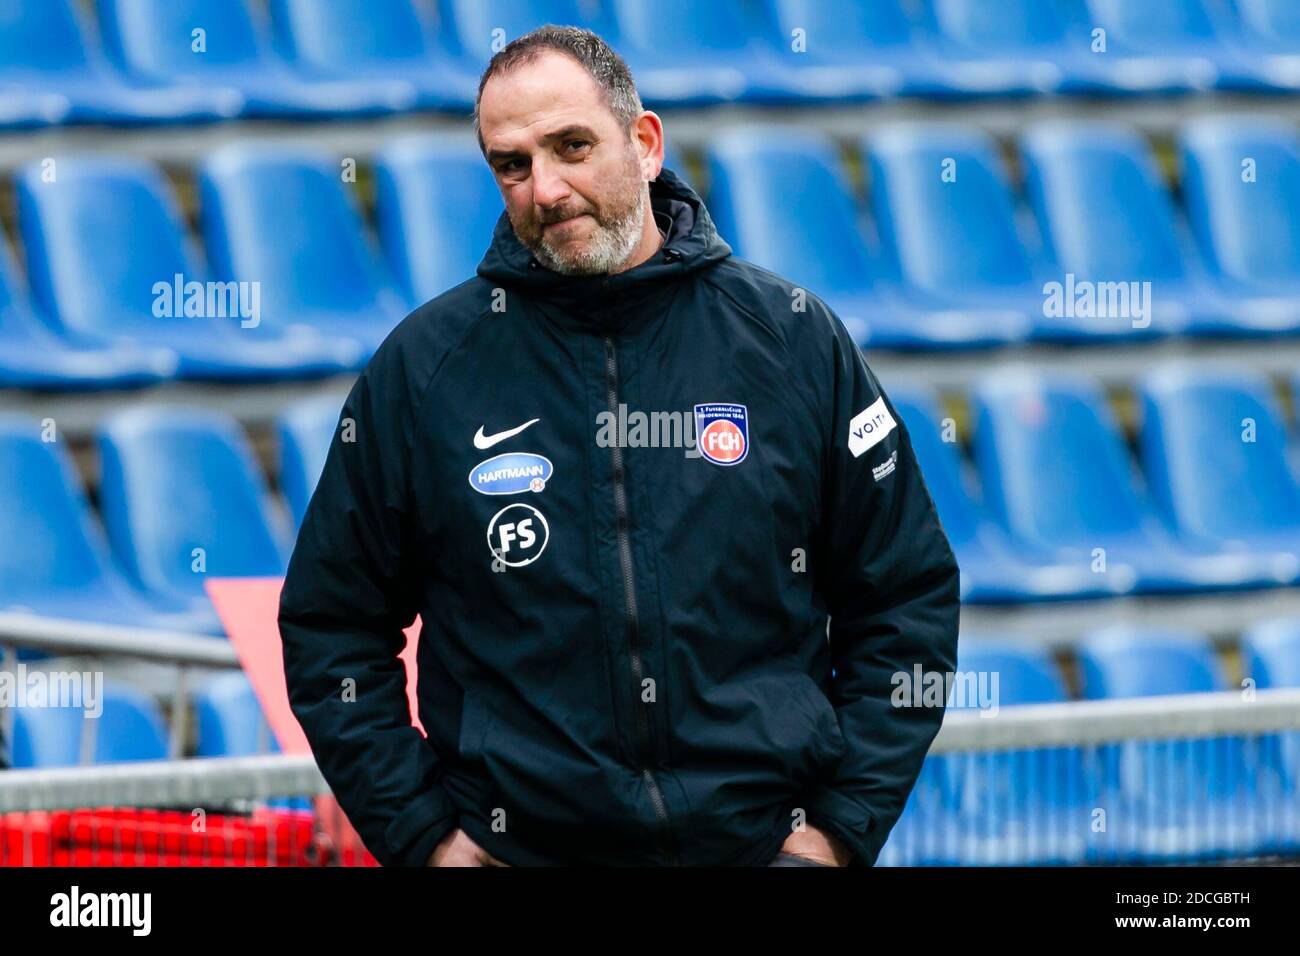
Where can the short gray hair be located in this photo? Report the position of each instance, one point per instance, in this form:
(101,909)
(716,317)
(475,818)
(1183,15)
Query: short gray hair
(605,66)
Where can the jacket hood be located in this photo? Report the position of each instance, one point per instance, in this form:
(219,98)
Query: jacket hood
(693,244)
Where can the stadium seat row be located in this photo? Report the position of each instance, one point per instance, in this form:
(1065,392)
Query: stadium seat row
(938,259)
(1060,514)
(1163,800)
(197,60)
(1063,512)
(181,498)
(113,274)
(228,723)
(1102,253)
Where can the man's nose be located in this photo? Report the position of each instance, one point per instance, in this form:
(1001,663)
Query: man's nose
(549,186)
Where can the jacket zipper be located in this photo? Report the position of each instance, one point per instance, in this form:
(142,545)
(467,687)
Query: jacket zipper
(629,600)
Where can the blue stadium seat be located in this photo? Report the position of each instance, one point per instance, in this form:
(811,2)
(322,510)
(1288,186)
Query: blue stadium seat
(383,47)
(130,728)
(1198,40)
(321,267)
(778,196)
(1241,182)
(1014,47)
(949,234)
(1162,794)
(1107,217)
(62,568)
(229,718)
(24,103)
(1269,33)
(1056,474)
(47,737)
(1271,651)
(230,724)
(1056,38)
(104,244)
(476,29)
(994,570)
(305,430)
(1025,673)
(48,74)
(1025,807)
(217,521)
(25,109)
(436,205)
(1272,656)
(152,41)
(1210,431)
(1270,30)
(859,49)
(683,53)
(33,356)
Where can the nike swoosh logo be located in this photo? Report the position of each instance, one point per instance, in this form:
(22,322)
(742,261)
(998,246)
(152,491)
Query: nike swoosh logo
(482,441)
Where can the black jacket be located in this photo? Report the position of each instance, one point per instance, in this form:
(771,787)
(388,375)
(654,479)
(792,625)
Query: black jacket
(625,656)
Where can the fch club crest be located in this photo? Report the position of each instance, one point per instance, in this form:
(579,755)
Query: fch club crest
(722,432)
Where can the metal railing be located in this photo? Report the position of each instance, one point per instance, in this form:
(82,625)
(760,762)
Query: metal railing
(1093,722)
(53,635)
(1155,780)
(196,782)
(63,636)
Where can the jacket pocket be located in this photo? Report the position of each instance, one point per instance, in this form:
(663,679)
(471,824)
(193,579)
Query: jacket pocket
(828,743)
(475,720)
(783,726)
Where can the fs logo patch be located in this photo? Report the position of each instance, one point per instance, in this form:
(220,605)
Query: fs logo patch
(722,432)
(517,535)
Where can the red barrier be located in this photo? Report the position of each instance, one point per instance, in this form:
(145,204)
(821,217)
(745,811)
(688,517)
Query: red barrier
(134,837)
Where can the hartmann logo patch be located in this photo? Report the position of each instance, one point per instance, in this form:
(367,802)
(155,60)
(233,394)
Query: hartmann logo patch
(511,473)
(869,427)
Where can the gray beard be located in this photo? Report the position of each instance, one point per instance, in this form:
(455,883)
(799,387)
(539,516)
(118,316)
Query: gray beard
(609,246)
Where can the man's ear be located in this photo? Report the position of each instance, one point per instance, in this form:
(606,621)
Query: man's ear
(648,130)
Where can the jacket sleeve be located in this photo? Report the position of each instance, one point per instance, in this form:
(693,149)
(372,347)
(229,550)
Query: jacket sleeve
(890,582)
(347,597)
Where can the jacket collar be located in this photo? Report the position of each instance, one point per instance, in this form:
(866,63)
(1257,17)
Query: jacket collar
(608,302)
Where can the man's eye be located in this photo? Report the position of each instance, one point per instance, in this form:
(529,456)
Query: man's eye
(578,143)
(510,165)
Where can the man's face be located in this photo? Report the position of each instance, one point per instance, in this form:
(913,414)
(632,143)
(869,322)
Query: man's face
(570,176)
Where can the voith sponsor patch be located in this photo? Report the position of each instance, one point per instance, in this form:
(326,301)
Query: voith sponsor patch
(869,427)
(722,432)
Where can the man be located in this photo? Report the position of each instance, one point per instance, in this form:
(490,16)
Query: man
(624,655)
